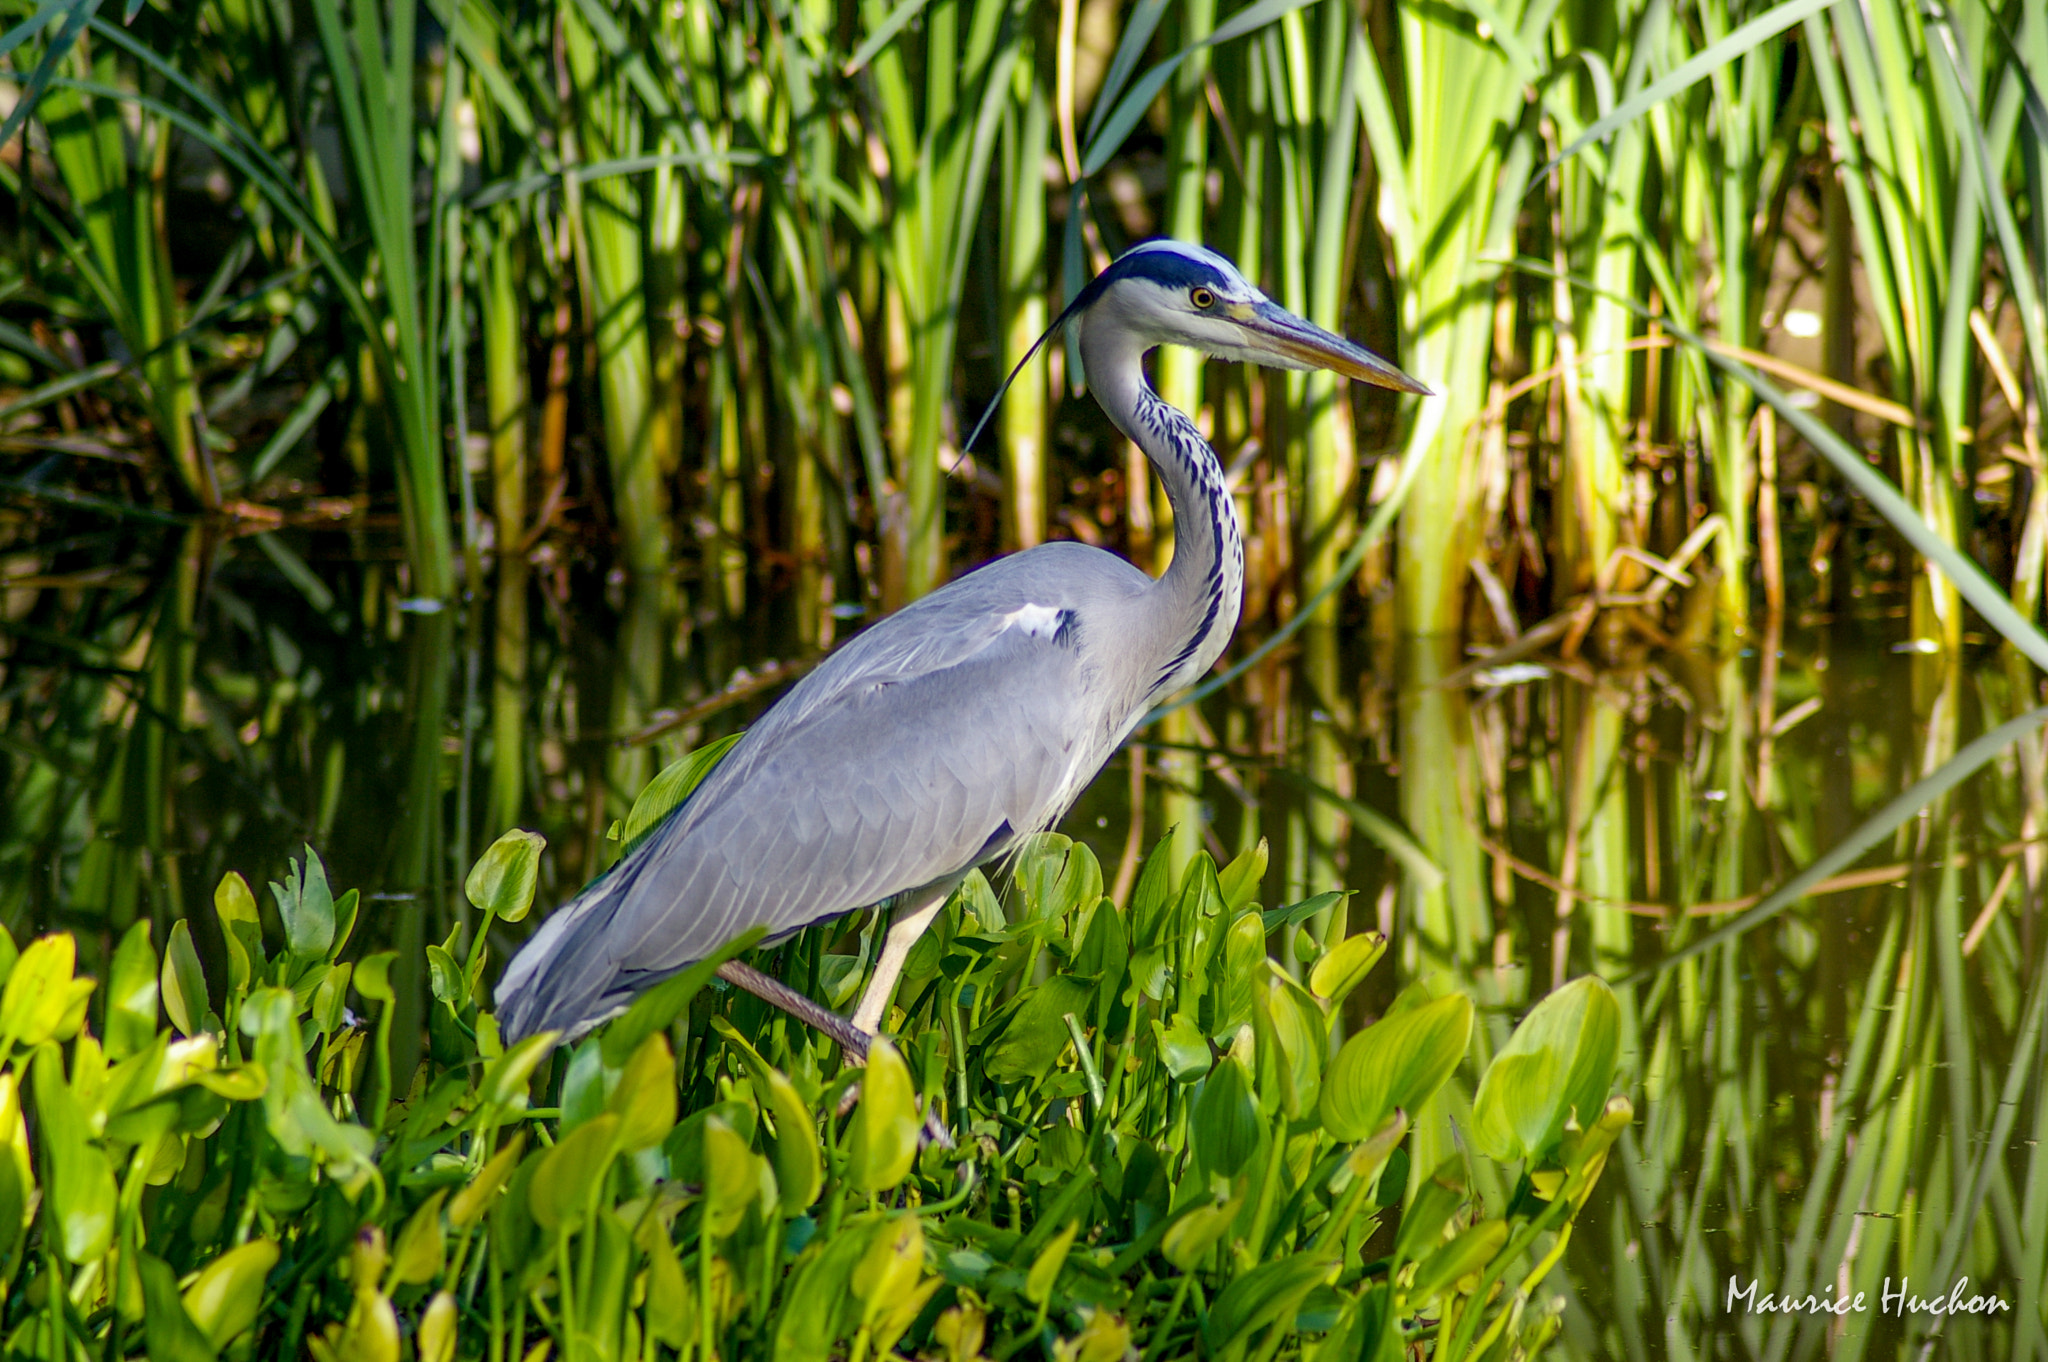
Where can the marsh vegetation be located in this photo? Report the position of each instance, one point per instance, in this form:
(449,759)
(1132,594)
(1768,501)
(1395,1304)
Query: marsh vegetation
(421,421)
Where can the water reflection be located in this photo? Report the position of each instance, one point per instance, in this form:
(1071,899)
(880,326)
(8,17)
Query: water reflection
(1844,1095)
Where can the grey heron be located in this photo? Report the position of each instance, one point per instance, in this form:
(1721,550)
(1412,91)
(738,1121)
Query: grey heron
(937,739)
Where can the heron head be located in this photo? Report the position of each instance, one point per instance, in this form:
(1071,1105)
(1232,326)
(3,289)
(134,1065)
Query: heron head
(1172,293)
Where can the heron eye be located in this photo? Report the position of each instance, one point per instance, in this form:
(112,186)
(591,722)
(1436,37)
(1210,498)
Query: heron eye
(1202,298)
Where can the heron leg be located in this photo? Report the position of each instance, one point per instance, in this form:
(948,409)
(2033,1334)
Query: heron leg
(773,991)
(912,916)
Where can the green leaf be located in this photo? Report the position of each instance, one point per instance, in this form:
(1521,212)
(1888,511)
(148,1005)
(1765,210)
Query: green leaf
(1429,1210)
(653,1010)
(39,990)
(241,926)
(445,977)
(131,995)
(1152,897)
(167,1328)
(1225,1128)
(731,1177)
(1399,1061)
(1056,877)
(307,906)
(1239,881)
(78,1184)
(645,1098)
(469,1204)
(1464,1256)
(667,791)
(883,1140)
(506,1077)
(1559,1063)
(183,984)
(417,1254)
(14,1192)
(503,879)
(1267,1293)
(793,1145)
(1045,1268)
(1189,1238)
(1183,1048)
(1037,1033)
(227,1296)
(568,1173)
(1244,970)
(1344,966)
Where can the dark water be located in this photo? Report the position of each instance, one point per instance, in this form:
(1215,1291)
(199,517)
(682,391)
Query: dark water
(1818,1098)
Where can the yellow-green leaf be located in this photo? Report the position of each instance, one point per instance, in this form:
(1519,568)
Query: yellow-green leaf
(184,983)
(503,879)
(1398,1061)
(227,1296)
(885,1125)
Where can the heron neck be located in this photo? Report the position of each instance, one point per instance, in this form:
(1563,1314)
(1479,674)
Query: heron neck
(1203,587)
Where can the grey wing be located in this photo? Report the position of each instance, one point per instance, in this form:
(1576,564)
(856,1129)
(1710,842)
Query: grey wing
(899,763)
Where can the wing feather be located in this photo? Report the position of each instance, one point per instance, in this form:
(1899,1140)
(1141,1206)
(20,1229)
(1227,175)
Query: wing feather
(895,765)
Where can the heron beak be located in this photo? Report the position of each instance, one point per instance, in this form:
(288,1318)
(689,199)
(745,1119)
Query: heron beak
(1274,329)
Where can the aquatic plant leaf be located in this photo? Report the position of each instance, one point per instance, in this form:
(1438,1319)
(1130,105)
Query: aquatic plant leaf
(1152,896)
(416,1256)
(445,978)
(306,904)
(567,1173)
(167,1328)
(1429,1210)
(226,1297)
(883,1140)
(241,927)
(1056,877)
(1244,970)
(1271,1291)
(732,1176)
(1560,1061)
(502,881)
(1045,1268)
(645,1098)
(467,1206)
(1036,1034)
(78,1184)
(1240,880)
(1190,1238)
(1398,1061)
(40,990)
(668,790)
(793,1146)
(1344,966)
(1225,1127)
(671,1299)
(506,1077)
(14,1193)
(1183,1048)
(435,1338)
(655,1009)
(1465,1255)
(131,994)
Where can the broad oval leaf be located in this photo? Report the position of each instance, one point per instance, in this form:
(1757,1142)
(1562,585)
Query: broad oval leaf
(131,995)
(501,882)
(1226,1125)
(1559,1062)
(883,1140)
(567,1173)
(1398,1061)
(1345,965)
(227,1296)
